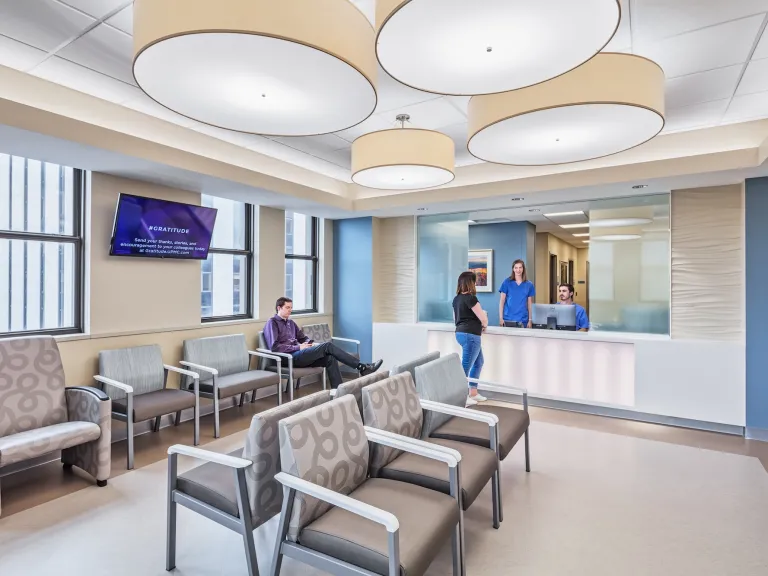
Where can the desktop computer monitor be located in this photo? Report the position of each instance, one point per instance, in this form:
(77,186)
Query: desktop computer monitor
(554,316)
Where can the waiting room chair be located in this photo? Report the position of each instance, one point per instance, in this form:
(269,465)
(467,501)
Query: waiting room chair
(136,380)
(331,507)
(355,387)
(237,490)
(322,333)
(289,373)
(226,364)
(411,366)
(38,415)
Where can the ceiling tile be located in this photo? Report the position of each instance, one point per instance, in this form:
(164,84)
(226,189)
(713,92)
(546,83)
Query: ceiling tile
(19,56)
(457,133)
(762,47)
(654,19)
(714,47)
(96,8)
(696,116)
(702,87)
(315,145)
(461,103)
(237,138)
(755,78)
(123,20)
(430,115)
(748,107)
(145,104)
(342,158)
(104,49)
(464,158)
(371,124)
(85,80)
(393,96)
(622,40)
(44,24)
(367,7)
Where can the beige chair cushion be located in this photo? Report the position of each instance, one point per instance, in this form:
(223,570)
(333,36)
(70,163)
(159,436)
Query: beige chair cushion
(235,384)
(477,467)
(158,403)
(34,443)
(213,484)
(427,520)
(512,425)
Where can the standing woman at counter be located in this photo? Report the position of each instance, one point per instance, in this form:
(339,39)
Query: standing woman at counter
(516,298)
(470,320)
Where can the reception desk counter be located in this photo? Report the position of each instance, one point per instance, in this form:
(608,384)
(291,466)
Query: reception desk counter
(696,383)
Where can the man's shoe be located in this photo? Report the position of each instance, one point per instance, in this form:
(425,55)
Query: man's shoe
(366,369)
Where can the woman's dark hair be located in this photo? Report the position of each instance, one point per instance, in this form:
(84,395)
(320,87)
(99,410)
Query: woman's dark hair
(466,284)
(525,274)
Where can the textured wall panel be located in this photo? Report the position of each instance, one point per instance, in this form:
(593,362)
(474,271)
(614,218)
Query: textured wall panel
(395,270)
(708,263)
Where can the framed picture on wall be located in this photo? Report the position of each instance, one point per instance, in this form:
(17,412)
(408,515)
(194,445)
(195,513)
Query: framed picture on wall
(481,263)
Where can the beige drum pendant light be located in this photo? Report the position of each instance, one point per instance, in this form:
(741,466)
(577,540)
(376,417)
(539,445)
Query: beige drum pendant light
(612,103)
(403,158)
(259,66)
(467,47)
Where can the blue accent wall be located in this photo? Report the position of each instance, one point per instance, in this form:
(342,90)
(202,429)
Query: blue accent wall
(509,241)
(756,264)
(353,282)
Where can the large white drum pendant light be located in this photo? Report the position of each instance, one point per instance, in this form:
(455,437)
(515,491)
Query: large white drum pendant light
(259,66)
(467,47)
(403,158)
(610,104)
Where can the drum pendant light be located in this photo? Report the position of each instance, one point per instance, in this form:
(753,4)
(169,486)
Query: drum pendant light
(467,47)
(258,66)
(403,158)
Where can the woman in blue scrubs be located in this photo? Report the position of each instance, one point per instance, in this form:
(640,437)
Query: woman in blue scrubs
(516,299)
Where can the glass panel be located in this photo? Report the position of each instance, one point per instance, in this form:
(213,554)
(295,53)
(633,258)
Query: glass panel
(298,234)
(443,249)
(300,283)
(223,285)
(37,285)
(229,231)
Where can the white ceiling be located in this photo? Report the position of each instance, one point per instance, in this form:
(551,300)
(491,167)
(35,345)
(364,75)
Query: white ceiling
(714,53)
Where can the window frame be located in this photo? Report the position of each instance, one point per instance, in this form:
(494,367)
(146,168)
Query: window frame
(312,257)
(246,251)
(77,239)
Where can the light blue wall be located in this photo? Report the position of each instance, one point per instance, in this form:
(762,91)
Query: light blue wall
(509,241)
(353,282)
(756,262)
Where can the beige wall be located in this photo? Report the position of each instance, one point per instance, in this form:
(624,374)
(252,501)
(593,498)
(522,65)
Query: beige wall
(394,248)
(547,244)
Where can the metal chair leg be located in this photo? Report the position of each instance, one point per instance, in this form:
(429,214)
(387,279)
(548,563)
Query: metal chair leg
(495,491)
(130,442)
(216,416)
(178,417)
(157,423)
(253,397)
(282,530)
(242,399)
(246,524)
(527,453)
(170,544)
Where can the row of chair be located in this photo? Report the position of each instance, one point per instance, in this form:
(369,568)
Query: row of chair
(310,461)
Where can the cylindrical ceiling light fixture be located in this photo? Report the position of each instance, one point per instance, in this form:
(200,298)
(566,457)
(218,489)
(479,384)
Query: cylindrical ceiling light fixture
(258,66)
(612,103)
(403,158)
(466,47)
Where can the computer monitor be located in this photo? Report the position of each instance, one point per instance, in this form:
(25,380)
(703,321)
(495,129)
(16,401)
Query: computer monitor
(554,316)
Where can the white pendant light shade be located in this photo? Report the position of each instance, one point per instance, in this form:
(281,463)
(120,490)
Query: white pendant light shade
(257,66)
(466,47)
(402,159)
(612,103)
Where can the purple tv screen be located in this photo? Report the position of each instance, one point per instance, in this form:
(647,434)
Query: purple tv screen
(152,228)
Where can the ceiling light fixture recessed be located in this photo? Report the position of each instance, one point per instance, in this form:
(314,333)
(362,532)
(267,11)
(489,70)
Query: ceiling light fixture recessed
(205,60)
(556,214)
(612,103)
(616,237)
(618,222)
(639,186)
(403,158)
(585,241)
(581,235)
(490,46)
(569,226)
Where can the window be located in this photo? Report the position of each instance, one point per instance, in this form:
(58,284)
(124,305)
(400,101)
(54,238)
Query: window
(301,249)
(41,246)
(226,274)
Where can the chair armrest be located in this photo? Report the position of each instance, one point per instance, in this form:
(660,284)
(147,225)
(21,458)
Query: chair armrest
(496,387)
(200,367)
(486,417)
(263,354)
(181,371)
(346,340)
(414,446)
(114,383)
(209,456)
(97,393)
(283,355)
(84,404)
(377,515)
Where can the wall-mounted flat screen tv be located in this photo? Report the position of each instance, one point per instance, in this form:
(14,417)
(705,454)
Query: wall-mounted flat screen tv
(154,228)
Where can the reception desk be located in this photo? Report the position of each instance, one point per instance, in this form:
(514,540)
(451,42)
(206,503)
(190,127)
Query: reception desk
(697,383)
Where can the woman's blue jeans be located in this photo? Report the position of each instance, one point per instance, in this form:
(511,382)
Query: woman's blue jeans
(471,354)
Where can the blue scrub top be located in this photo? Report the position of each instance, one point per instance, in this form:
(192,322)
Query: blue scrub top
(581,318)
(516,304)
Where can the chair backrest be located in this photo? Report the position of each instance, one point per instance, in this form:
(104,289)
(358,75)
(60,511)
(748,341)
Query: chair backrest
(325,445)
(140,367)
(355,387)
(442,380)
(262,447)
(317,332)
(392,405)
(411,366)
(263,362)
(31,385)
(227,354)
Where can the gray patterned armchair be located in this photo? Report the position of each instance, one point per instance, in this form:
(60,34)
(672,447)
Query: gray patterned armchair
(38,415)
(322,333)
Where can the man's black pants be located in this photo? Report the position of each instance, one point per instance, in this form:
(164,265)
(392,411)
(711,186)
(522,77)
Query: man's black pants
(328,355)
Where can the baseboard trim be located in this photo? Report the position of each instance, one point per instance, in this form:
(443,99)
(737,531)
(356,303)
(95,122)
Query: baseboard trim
(760,434)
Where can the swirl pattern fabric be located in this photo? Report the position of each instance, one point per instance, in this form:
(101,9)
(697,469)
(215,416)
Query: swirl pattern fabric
(391,405)
(95,457)
(327,446)
(318,332)
(355,387)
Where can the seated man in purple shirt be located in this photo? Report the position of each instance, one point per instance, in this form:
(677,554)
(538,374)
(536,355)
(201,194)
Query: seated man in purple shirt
(283,335)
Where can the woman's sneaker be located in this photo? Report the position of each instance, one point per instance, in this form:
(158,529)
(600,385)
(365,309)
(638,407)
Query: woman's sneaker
(479,398)
(471,401)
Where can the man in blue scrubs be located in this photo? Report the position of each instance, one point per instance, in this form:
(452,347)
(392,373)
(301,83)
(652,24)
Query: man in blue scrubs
(565,293)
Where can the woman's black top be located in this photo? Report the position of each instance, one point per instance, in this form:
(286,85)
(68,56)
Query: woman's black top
(466,320)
